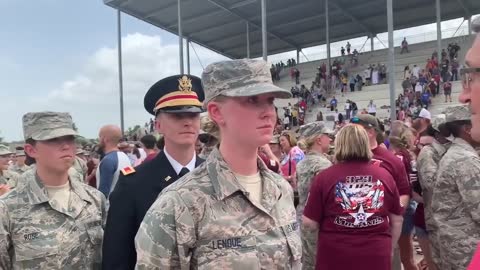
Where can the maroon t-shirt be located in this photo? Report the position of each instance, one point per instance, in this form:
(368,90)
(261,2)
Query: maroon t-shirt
(150,156)
(395,167)
(351,203)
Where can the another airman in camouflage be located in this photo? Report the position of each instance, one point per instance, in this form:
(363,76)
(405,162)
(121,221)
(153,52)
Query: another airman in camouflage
(314,162)
(20,166)
(456,194)
(7,177)
(80,166)
(51,227)
(427,165)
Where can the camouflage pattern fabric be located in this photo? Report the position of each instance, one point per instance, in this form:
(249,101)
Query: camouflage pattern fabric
(81,167)
(19,169)
(205,220)
(239,78)
(314,128)
(311,165)
(4,150)
(41,126)
(455,205)
(9,178)
(457,113)
(206,150)
(36,233)
(427,166)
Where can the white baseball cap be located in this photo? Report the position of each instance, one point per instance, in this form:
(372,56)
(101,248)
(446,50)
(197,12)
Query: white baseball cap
(425,114)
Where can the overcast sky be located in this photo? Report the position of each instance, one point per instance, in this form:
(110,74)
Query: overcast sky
(61,55)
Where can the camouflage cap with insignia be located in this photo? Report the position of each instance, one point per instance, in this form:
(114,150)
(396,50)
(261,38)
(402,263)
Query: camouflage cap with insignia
(4,150)
(458,113)
(437,121)
(239,78)
(314,128)
(42,126)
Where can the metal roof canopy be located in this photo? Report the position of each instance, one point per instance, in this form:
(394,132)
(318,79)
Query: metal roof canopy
(221,25)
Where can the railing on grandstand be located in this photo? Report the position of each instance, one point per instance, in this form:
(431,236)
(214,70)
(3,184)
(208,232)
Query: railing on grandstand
(460,32)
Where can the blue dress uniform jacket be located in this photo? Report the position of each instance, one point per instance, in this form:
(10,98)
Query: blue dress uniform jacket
(132,197)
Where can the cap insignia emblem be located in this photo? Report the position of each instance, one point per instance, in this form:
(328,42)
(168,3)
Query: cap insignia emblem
(185,84)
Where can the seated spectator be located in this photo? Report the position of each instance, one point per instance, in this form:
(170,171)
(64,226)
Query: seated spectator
(404,46)
(333,104)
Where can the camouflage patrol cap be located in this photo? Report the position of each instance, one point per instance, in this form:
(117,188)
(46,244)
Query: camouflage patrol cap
(4,150)
(20,153)
(314,128)
(239,78)
(437,121)
(458,113)
(275,139)
(42,126)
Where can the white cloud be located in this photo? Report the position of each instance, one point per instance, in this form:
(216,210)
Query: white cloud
(92,95)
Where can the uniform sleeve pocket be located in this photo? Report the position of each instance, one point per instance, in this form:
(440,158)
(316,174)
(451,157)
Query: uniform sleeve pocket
(292,234)
(229,253)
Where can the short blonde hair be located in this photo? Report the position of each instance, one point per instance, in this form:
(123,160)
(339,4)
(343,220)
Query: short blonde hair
(352,143)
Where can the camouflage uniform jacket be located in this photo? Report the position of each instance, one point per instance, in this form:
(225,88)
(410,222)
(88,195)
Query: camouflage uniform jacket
(456,205)
(36,233)
(205,220)
(427,166)
(81,167)
(311,165)
(19,169)
(9,178)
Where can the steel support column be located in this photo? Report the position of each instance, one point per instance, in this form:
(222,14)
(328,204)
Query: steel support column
(180,37)
(391,60)
(120,70)
(327,39)
(439,29)
(264,30)
(188,55)
(248,39)
(469,25)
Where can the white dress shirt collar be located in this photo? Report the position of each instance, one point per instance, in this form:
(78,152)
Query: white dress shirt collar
(177,166)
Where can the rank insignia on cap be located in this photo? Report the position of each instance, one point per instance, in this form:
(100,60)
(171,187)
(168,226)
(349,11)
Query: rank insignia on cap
(168,178)
(127,170)
(185,84)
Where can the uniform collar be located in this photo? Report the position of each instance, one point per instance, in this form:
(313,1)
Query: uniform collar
(439,148)
(177,166)
(37,193)
(459,142)
(225,183)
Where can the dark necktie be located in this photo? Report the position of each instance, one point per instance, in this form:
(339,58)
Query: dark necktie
(183,171)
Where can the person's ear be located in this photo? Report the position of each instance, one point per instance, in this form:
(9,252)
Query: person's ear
(215,112)
(30,150)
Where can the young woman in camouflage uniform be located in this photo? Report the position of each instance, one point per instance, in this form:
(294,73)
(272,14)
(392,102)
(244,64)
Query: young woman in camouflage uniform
(316,137)
(231,212)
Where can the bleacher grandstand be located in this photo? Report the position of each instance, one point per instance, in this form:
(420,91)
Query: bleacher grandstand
(380,92)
